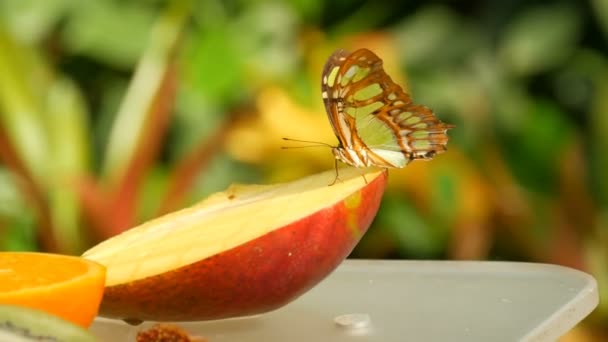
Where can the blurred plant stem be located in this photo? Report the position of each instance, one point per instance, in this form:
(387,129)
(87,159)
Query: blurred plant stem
(599,125)
(31,192)
(44,137)
(23,135)
(186,170)
(138,130)
(134,116)
(68,128)
(20,108)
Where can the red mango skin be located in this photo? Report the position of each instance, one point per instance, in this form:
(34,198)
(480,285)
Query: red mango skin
(258,276)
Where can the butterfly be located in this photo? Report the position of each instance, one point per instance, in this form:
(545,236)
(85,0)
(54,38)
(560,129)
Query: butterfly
(374,119)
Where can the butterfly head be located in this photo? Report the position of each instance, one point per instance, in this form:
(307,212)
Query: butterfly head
(340,154)
(353,157)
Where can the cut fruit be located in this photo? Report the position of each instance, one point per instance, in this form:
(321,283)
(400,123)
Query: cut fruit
(21,324)
(244,251)
(66,286)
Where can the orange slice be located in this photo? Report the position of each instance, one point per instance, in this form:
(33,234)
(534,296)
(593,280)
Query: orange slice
(66,286)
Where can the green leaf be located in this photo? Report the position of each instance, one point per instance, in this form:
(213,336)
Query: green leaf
(415,236)
(535,149)
(11,199)
(32,20)
(595,249)
(222,172)
(599,127)
(153,190)
(444,195)
(23,78)
(365,17)
(17,219)
(601,12)
(433,36)
(267,35)
(308,9)
(196,118)
(129,124)
(114,32)
(540,39)
(68,126)
(68,129)
(21,233)
(215,65)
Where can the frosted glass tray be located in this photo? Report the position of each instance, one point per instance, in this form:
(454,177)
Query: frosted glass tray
(382,300)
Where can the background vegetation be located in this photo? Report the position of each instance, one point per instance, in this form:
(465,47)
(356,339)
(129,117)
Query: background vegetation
(113,112)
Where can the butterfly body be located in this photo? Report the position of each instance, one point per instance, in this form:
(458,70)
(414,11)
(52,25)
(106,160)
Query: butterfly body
(375,121)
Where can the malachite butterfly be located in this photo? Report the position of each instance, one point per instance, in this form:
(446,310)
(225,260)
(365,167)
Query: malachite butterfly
(374,119)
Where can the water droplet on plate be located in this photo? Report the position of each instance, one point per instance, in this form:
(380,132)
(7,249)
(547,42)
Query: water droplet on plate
(353,321)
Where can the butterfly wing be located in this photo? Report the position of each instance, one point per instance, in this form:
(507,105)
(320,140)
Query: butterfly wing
(331,99)
(371,113)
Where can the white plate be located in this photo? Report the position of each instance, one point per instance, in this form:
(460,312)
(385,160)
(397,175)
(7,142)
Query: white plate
(382,300)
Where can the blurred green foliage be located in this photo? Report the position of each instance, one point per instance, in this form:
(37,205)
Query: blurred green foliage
(114,112)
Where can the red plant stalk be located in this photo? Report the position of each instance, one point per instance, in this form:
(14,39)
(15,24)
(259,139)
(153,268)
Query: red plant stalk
(46,239)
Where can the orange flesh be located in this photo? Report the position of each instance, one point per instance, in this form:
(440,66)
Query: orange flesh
(69,287)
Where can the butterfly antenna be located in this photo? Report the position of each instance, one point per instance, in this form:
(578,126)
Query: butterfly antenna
(314,144)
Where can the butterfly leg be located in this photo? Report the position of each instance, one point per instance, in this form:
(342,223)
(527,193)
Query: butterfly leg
(336,167)
(363,175)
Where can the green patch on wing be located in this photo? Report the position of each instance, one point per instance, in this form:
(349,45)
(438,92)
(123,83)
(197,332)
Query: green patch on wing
(362,111)
(354,74)
(376,133)
(361,74)
(379,137)
(368,92)
(421,145)
(419,134)
(406,118)
(331,78)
